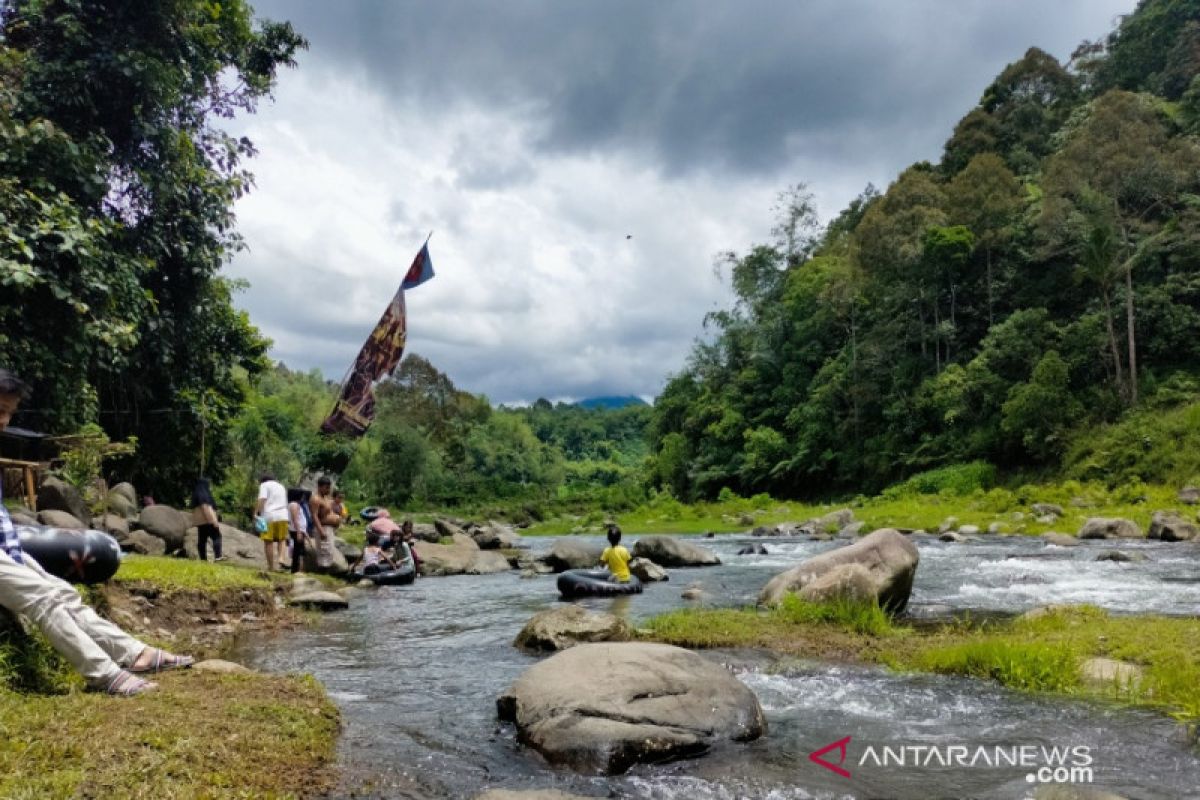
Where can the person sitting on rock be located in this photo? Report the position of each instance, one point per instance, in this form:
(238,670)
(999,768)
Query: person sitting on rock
(616,557)
(108,658)
(373,556)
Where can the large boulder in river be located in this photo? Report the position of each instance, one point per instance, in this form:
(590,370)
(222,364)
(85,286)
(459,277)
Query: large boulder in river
(574,553)
(605,707)
(1170,527)
(834,521)
(57,495)
(496,536)
(667,551)
(167,524)
(1110,528)
(569,625)
(889,557)
(845,582)
(461,556)
(53,518)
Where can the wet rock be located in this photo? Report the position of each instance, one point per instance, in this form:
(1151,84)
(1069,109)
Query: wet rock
(605,707)
(845,582)
(350,552)
(692,594)
(1118,555)
(167,524)
(1059,539)
(1109,671)
(890,558)
(56,494)
(1047,509)
(647,571)
(1189,495)
(221,667)
(59,519)
(1110,528)
(753,550)
(319,601)
(667,551)
(952,536)
(574,554)
(303,584)
(570,625)
(1168,526)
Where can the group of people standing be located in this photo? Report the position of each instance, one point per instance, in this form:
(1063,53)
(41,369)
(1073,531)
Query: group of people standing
(305,520)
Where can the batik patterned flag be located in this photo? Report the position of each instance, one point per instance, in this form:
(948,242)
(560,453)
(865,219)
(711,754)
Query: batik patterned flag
(355,407)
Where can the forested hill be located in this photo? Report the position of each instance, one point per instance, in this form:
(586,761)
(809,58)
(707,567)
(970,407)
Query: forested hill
(1041,279)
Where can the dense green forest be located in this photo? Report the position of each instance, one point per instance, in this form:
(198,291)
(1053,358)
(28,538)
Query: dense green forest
(1028,306)
(1002,305)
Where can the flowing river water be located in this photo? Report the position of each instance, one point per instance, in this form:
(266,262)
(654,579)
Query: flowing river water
(416,671)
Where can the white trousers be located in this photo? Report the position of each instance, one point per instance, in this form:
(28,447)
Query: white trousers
(95,647)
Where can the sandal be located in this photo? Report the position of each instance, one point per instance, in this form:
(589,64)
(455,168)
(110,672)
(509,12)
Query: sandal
(164,661)
(124,684)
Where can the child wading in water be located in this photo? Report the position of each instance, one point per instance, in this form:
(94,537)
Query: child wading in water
(616,557)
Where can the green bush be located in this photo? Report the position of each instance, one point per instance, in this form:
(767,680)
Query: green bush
(956,480)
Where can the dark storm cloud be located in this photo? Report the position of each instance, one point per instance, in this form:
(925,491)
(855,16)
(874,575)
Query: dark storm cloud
(693,83)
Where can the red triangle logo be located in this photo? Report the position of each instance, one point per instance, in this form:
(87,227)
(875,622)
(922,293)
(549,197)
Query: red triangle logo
(840,746)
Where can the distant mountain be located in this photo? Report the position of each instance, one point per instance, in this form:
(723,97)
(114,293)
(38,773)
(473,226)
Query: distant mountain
(611,402)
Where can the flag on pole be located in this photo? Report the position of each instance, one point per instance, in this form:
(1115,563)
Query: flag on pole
(355,407)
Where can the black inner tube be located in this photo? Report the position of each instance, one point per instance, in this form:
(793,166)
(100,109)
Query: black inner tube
(595,583)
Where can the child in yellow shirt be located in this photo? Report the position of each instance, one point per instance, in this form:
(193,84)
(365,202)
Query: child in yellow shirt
(616,557)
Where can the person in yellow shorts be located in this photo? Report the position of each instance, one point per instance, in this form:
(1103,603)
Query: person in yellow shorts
(616,557)
(272,509)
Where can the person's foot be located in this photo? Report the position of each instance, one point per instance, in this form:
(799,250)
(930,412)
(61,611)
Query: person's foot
(154,660)
(123,684)
(220,558)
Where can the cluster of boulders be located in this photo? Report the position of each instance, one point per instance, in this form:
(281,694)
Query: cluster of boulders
(839,524)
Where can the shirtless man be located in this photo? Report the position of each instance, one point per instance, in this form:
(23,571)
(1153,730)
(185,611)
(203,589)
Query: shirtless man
(325,521)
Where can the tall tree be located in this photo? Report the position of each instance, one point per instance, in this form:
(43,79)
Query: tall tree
(141,87)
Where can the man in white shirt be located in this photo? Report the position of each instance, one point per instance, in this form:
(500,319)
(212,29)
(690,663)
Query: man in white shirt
(272,507)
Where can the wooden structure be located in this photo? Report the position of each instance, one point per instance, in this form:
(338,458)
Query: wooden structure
(24,461)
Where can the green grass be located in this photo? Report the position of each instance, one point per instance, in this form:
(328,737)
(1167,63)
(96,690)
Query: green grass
(171,574)
(1040,654)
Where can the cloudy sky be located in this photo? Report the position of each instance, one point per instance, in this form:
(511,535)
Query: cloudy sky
(582,162)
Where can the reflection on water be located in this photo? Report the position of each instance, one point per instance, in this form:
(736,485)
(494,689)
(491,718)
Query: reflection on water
(416,671)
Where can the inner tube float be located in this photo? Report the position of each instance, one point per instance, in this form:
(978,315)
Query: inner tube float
(594,583)
(75,556)
(384,575)
(369,513)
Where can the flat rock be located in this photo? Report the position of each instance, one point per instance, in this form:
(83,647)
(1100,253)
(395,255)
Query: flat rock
(1117,555)
(888,556)
(1109,671)
(1060,539)
(52,518)
(570,625)
(221,667)
(952,536)
(667,551)
(321,601)
(605,707)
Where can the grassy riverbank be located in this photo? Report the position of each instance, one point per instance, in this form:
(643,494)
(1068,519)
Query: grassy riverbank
(1046,652)
(199,735)
(920,504)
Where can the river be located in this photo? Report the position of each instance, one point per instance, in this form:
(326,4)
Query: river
(416,671)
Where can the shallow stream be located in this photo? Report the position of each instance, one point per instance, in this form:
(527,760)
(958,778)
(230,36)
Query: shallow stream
(416,671)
